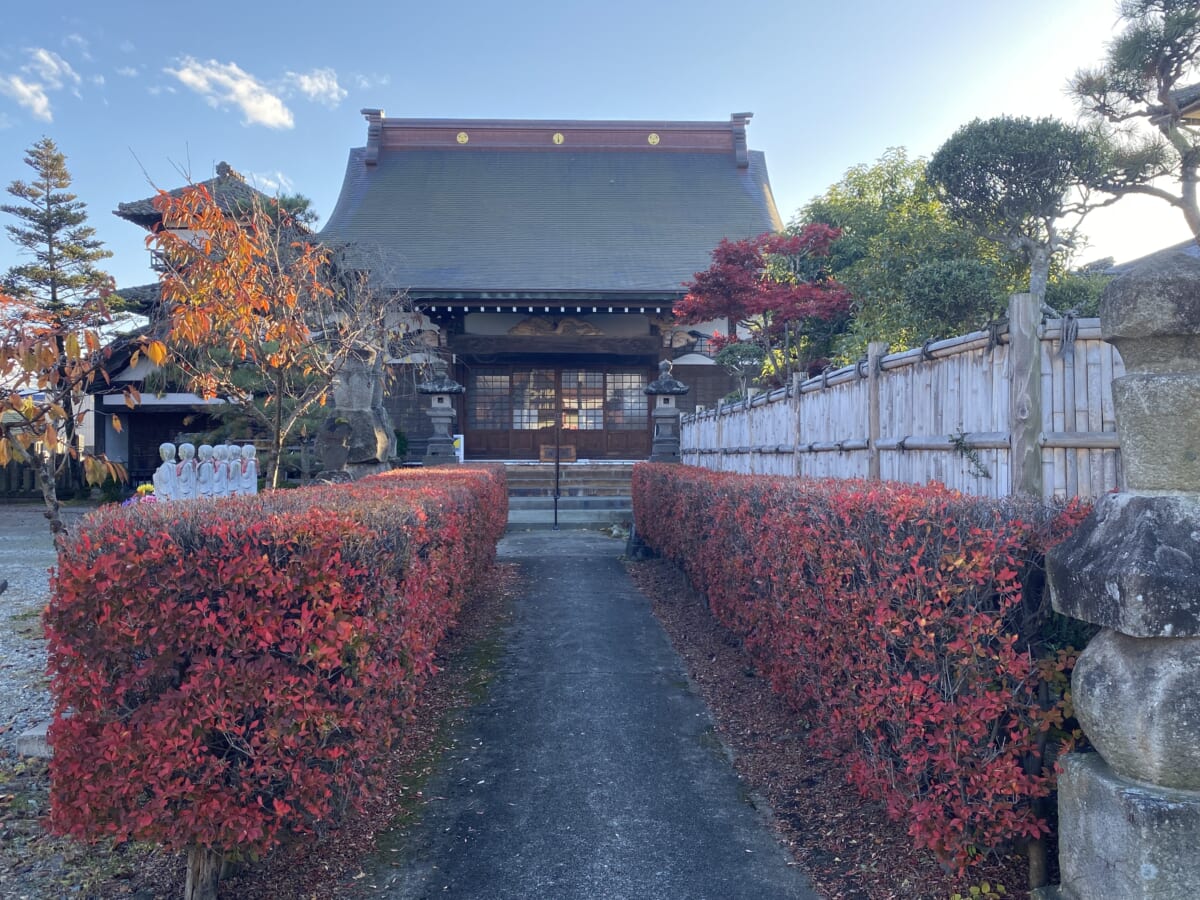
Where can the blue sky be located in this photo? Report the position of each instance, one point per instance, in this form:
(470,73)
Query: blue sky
(141,94)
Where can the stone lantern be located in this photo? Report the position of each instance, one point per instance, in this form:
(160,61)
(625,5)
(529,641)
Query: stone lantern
(1129,814)
(440,388)
(665,415)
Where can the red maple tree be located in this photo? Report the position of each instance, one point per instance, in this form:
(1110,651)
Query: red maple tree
(774,288)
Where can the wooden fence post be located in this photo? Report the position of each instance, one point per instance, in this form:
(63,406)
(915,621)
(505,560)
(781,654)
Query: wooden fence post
(875,352)
(797,431)
(1025,395)
(719,428)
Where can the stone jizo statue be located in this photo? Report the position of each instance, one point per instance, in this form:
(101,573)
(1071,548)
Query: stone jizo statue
(220,483)
(248,482)
(205,471)
(165,482)
(185,473)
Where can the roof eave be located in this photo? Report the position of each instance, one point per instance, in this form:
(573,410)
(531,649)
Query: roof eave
(551,297)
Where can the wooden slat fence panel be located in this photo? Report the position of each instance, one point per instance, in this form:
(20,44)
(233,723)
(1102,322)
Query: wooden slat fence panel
(944,414)
(19,482)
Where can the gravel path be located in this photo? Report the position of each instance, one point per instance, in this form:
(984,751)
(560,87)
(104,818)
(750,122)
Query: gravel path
(26,555)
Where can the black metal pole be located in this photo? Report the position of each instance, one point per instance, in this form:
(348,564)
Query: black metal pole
(557,459)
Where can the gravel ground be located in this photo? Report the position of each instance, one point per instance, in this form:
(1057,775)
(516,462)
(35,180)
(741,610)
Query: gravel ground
(26,555)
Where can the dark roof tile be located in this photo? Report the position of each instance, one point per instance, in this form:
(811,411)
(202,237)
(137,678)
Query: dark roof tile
(142,297)
(442,221)
(228,189)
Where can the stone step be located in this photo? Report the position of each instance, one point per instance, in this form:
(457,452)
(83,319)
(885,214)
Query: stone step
(571,491)
(591,494)
(570,478)
(585,518)
(572,503)
(536,480)
(522,474)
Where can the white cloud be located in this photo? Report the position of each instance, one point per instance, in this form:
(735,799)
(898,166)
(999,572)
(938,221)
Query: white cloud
(366,82)
(226,84)
(319,85)
(45,72)
(126,46)
(128,71)
(81,43)
(51,70)
(272,182)
(98,80)
(28,94)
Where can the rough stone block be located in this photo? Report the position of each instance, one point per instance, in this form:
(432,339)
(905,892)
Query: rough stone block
(1158,419)
(371,437)
(1133,565)
(1121,839)
(1152,314)
(34,743)
(1138,700)
(358,382)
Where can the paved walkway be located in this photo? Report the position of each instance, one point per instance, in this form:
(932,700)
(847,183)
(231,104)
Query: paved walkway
(591,769)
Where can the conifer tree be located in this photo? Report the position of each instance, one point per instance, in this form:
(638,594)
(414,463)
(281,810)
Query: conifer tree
(52,228)
(60,280)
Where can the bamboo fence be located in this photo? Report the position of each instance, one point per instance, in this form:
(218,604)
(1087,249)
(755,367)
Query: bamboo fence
(997,412)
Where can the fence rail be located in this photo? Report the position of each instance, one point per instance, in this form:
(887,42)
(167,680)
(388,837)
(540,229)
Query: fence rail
(994,412)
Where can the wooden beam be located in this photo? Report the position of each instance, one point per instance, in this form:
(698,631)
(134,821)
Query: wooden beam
(552,345)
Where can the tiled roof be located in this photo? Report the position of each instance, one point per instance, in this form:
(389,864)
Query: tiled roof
(228,189)
(512,220)
(1187,97)
(141,298)
(1188,247)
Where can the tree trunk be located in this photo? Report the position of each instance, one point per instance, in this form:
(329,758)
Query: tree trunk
(277,437)
(72,482)
(45,474)
(1190,206)
(1039,273)
(203,873)
(1035,764)
(276,463)
(1039,872)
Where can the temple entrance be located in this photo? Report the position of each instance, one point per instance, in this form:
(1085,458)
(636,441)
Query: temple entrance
(513,411)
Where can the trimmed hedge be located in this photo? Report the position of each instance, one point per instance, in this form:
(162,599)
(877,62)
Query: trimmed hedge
(905,622)
(226,672)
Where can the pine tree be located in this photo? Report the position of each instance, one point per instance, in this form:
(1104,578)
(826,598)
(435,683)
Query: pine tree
(61,279)
(52,228)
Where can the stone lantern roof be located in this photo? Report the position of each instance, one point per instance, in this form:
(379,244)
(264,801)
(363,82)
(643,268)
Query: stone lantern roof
(665,383)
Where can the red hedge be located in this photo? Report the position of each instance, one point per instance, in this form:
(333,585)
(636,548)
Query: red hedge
(226,672)
(894,617)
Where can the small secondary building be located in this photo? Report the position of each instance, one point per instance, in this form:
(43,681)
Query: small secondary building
(545,257)
(165,414)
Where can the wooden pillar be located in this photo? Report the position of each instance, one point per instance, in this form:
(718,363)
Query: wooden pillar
(875,352)
(1025,395)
